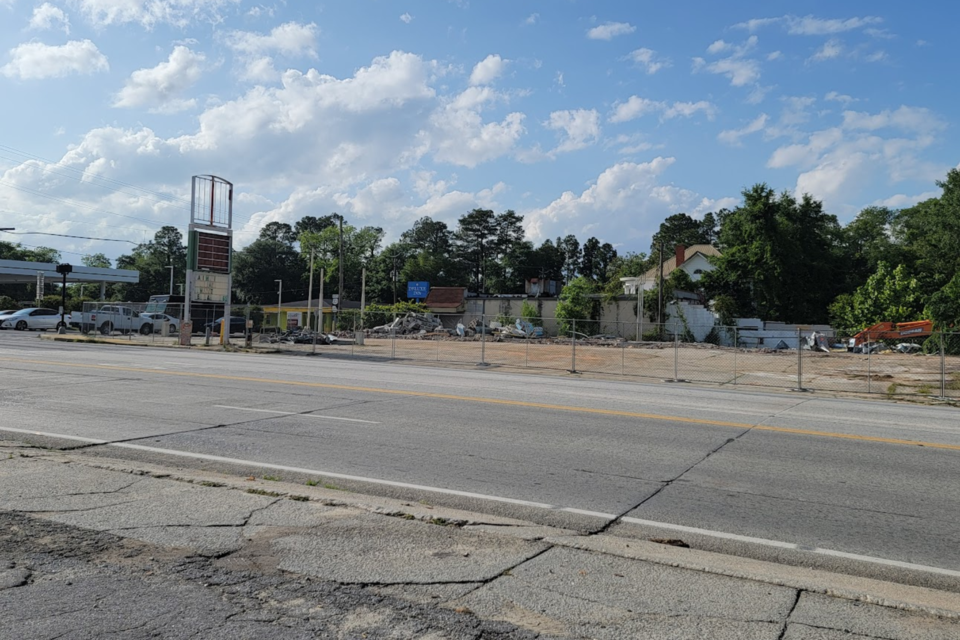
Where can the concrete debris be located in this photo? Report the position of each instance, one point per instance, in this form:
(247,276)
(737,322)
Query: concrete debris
(410,324)
(908,347)
(816,341)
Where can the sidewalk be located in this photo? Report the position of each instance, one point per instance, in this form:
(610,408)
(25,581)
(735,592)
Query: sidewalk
(91,546)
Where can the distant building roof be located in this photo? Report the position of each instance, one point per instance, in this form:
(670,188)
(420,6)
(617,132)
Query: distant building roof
(299,305)
(447,298)
(671,263)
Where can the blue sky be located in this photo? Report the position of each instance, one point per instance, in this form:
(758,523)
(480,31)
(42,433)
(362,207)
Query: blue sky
(592,118)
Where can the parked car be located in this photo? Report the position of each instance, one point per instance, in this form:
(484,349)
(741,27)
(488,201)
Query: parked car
(32,318)
(153,323)
(237,325)
(4,314)
(112,317)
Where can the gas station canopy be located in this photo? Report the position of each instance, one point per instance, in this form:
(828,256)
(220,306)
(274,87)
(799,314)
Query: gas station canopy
(19,271)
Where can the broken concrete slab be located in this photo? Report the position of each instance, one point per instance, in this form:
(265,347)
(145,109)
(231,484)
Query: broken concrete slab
(366,548)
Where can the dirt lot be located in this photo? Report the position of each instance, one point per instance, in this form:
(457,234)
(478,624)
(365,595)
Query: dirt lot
(892,374)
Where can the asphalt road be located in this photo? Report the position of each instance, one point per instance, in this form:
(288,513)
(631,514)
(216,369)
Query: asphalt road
(868,487)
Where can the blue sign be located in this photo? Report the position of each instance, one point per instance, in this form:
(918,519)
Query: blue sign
(418,290)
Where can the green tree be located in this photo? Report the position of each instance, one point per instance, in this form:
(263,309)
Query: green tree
(96,260)
(596,259)
(270,257)
(680,228)
(780,257)
(576,307)
(482,241)
(572,256)
(943,307)
(889,295)
(867,241)
(151,259)
(930,233)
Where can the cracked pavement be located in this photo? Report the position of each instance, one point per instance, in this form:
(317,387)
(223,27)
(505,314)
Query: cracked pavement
(92,547)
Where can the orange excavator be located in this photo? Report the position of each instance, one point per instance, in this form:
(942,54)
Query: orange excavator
(893,331)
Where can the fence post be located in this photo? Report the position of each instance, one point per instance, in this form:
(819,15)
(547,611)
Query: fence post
(736,347)
(869,348)
(943,369)
(799,386)
(676,353)
(573,343)
(623,349)
(483,341)
(526,355)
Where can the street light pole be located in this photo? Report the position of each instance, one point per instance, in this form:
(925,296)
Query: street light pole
(279,302)
(170,266)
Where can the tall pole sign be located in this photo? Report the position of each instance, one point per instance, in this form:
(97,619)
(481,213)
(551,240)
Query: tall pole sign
(209,248)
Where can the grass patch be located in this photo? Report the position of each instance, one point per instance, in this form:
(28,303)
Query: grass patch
(263,492)
(892,389)
(925,389)
(953,384)
(299,498)
(272,478)
(211,483)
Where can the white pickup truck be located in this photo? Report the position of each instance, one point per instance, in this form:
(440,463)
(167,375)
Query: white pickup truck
(106,320)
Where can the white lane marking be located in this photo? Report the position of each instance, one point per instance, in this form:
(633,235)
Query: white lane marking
(595,514)
(54,435)
(327,474)
(294,413)
(710,532)
(790,545)
(884,561)
(525,503)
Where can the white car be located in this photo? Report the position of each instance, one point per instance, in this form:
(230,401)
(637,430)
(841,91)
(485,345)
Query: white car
(33,319)
(4,314)
(153,323)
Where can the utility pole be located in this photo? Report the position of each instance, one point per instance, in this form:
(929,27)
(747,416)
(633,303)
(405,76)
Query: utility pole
(660,291)
(170,266)
(340,264)
(279,301)
(310,290)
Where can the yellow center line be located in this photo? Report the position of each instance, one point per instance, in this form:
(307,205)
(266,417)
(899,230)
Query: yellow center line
(502,402)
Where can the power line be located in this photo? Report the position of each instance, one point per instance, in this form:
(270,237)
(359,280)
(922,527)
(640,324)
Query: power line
(78,204)
(64,235)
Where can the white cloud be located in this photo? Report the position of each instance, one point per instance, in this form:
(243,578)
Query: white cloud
(633,108)
(830,50)
(636,107)
(774,55)
(149,13)
(488,69)
(867,150)
(47,16)
(688,109)
(610,30)
(458,135)
(34,60)
(737,67)
(834,96)
(902,201)
(159,87)
(810,25)
(533,18)
(290,39)
(623,204)
(733,136)
(581,128)
(719,47)
(910,119)
(647,58)
(406,18)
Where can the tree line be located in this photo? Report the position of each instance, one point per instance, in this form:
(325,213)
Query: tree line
(782,258)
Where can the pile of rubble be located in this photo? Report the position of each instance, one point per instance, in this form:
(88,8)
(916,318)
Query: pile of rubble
(410,324)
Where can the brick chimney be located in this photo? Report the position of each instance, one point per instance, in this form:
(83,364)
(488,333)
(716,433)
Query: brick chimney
(681,254)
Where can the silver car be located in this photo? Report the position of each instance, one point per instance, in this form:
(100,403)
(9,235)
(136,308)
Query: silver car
(32,319)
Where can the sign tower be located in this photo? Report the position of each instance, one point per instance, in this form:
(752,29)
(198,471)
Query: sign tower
(209,246)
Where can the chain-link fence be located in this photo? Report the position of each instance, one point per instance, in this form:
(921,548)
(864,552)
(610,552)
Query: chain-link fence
(924,365)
